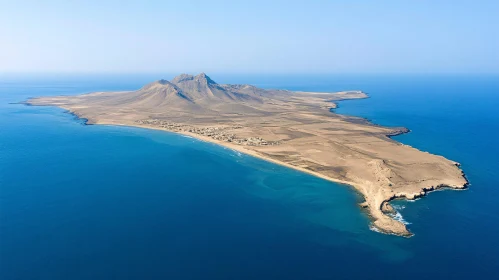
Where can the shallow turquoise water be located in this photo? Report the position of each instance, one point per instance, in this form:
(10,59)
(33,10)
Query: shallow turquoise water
(102,202)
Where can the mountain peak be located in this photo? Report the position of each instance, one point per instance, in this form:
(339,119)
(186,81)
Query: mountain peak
(162,82)
(182,77)
(203,77)
(158,83)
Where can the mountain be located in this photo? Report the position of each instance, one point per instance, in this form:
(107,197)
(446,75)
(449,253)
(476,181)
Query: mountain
(187,92)
(201,90)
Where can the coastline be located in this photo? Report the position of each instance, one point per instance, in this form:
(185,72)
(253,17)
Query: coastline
(380,221)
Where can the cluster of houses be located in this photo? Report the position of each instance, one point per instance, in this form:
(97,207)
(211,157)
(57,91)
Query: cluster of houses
(216,132)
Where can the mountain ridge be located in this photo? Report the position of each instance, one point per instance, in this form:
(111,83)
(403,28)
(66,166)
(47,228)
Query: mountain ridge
(201,90)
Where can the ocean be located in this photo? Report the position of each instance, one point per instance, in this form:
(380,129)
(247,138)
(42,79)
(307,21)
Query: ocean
(106,202)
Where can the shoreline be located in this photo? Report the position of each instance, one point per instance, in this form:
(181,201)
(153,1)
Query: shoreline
(374,215)
(403,130)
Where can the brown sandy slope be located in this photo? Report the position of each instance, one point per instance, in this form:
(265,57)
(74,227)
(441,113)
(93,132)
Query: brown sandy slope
(295,129)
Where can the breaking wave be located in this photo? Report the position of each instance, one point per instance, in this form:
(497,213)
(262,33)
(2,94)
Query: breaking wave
(397,216)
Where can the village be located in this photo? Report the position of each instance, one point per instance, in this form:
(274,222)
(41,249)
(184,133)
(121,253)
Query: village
(220,133)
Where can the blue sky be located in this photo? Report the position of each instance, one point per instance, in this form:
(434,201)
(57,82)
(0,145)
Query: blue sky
(250,36)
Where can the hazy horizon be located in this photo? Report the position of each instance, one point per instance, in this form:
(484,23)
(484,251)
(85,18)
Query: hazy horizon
(222,37)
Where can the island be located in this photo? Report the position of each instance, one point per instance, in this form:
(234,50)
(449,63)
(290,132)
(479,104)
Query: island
(295,129)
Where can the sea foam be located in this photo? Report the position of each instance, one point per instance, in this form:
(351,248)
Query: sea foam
(397,215)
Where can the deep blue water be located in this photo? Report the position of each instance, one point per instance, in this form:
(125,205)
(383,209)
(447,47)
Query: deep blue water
(106,202)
